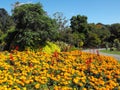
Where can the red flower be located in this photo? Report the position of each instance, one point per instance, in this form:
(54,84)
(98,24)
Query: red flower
(88,61)
(11,57)
(55,54)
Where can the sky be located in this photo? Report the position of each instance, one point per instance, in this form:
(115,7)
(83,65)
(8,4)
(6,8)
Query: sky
(97,11)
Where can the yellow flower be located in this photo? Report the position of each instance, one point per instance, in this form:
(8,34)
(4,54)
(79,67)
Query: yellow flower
(17,88)
(9,88)
(37,85)
(84,89)
(27,81)
(80,84)
(10,82)
(76,80)
(24,88)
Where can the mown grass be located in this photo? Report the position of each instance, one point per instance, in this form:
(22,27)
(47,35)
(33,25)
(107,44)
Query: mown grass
(110,52)
(118,61)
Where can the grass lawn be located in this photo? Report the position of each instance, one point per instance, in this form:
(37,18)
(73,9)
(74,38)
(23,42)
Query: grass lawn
(118,61)
(111,52)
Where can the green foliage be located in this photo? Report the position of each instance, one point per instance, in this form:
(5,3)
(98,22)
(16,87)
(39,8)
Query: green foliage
(6,21)
(80,29)
(64,35)
(62,45)
(81,43)
(72,48)
(101,30)
(65,47)
(28,16)
(71,38)
(6,25)
(117,44)
(101,35)
(93,40)
(4,36)
(111,52)
(115,30)
(28,39)
(79,24)
(33,27)
(2,42)
(77,38)
(50,48)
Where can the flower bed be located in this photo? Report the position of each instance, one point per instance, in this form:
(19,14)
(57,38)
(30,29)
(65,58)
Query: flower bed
(29,70)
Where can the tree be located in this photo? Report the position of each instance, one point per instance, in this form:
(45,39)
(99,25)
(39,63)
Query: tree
(79,28)
(6,24)
(115,31)
(93,40)
(79,24)
(33,26)
(5,20)
(77,38)
(16,4)
(101,30)
(117,44)
(61,20)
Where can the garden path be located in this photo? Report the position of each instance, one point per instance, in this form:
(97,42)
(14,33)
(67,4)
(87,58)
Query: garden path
(106,54)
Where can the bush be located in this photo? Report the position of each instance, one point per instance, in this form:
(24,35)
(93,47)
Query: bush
(117,44)
(62,45)
(50,48)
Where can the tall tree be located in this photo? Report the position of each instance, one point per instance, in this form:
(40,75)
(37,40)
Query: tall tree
(115,31)
(79,28)
(5,20)
(79,24)
(33,26)
(61,20)
(6,25)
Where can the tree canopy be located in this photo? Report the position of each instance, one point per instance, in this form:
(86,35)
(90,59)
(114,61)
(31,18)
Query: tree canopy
(33,26)
(30,26)
(5,20)
(79,24)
